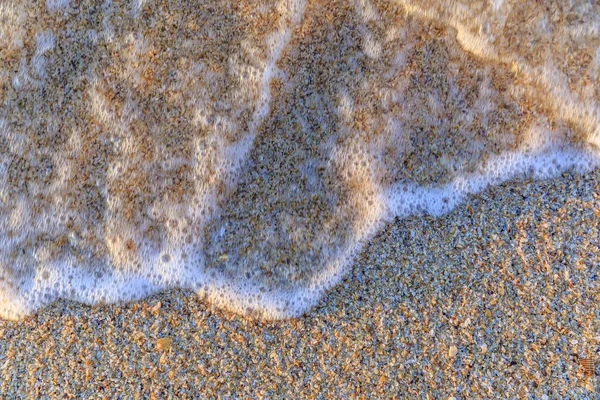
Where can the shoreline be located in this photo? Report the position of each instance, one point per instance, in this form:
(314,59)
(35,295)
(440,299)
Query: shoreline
(500,295)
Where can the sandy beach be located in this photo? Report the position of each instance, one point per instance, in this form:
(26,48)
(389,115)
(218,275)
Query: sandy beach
(497,299)
(233,154)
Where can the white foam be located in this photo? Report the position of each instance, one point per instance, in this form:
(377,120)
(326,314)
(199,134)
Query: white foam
(401,199)
(54,5)
(45,42)
(137,6)
(372,47)
(22,77)
(177,258)
(366,10)
(34,72)
(406,199)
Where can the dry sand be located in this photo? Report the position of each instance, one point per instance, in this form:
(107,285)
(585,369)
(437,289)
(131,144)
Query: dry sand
(497,299)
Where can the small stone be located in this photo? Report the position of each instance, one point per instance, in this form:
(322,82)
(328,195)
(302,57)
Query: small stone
(484,348)
(163,358)
(587,365)
(156,308)
(452,351)
(164,343)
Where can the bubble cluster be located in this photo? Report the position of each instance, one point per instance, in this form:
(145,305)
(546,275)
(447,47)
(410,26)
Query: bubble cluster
(246,150)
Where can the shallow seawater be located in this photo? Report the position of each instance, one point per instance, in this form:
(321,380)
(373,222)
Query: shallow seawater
(247,149)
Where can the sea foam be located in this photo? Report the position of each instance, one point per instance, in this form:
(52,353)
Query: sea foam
(247,150)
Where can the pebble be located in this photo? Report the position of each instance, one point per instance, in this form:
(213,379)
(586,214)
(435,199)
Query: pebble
(164,343)
(452,351)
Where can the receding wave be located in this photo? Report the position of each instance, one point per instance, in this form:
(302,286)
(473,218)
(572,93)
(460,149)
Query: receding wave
(247,149)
